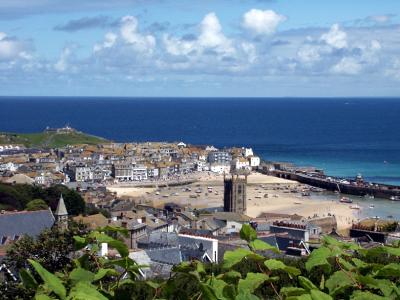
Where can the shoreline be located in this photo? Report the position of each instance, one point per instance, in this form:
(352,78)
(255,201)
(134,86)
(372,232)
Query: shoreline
(259,185)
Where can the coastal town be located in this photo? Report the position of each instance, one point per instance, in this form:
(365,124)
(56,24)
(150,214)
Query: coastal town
(178,202)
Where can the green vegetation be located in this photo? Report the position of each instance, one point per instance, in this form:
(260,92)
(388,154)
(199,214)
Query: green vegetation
(337,270)
(19,196)
(50,139)
(36,204)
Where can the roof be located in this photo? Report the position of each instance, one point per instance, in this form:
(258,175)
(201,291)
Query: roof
(61,209)
(231,216)
(93,221)
(20,179)
(25,223)
(171,255)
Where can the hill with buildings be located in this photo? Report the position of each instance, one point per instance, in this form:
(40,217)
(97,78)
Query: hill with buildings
(50,138)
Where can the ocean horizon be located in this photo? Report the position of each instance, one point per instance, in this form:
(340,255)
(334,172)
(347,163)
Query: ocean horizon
(342,136)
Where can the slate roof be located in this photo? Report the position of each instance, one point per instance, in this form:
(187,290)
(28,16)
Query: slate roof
(170,256)
(25,223)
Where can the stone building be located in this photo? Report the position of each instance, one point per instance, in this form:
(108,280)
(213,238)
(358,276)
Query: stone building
(235,193)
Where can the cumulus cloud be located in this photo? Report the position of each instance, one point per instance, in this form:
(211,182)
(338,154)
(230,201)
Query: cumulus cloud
(211,37)
(130,34)
(12,48)
(109,41)
(348,66)
(262,21)
(335,37)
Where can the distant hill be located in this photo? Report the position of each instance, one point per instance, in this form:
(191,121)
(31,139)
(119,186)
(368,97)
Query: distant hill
(53,138)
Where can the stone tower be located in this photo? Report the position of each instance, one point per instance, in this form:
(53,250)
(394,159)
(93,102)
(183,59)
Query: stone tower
(61,215)
(235,193)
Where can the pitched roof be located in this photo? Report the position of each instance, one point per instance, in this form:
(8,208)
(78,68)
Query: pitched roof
(61,209)
(171,255)
(25,222)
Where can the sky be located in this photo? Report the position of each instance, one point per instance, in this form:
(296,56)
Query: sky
(207,48)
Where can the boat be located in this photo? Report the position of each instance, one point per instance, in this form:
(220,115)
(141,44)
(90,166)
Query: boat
(395,198)
(305,194)
(355,206)
(297,202)
(371,206)
(345,200)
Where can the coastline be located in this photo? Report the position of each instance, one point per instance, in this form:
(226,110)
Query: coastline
(279,199)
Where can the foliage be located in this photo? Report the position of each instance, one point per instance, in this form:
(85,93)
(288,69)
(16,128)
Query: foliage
(337,270)
(20,195)
(36,204)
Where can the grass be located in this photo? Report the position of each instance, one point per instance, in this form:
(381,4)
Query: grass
(50,139)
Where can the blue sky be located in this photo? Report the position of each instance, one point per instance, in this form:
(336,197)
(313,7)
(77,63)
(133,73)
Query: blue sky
(260,48)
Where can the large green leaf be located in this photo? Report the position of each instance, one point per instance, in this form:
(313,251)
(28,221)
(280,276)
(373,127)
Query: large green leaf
(248,233)
(338,282)
(319,258)
(245,295)
(218,286)
(259,245)
(318,295)
(40,296)
(292,291)
(80,242)
(231,258)
(360,295)
(27,279)
(273,264)
(85,291)
(81,275)
(393,251)
(101,273)
(51,281)
(384,285)
(306,283)
(390,270)
(207,292)
(252,282)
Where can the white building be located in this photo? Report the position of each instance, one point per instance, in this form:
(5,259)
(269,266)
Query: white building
(247,152)
(139,173)
(220,168)
(254,161)
(240,163)
(83,174)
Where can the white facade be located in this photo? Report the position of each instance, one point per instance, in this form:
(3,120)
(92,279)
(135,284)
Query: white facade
(83,174)
(139,173)
(247,152)
(240,163)
(254,161)
(10,166)
(220,168)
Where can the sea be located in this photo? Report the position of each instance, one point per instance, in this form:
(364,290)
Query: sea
(342,136)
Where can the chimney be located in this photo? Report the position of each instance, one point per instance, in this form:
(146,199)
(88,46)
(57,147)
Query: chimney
(143,219)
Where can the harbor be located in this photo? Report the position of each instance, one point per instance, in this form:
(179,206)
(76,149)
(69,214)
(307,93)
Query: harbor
(317,178)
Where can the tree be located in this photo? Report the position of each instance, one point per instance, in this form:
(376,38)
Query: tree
(36,204)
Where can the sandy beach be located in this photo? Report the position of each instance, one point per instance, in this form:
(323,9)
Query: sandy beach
(264,194)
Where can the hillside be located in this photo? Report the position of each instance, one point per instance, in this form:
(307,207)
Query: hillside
(50,139)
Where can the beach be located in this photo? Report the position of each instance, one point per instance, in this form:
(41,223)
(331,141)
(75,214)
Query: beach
(265,194)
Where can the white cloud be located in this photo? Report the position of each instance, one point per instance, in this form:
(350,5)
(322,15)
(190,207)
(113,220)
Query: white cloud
(109,41)
(309,53)
(62,64)
(335,37)
(11,48)
(211,37)
(262,21)
(129,33)
(347,66)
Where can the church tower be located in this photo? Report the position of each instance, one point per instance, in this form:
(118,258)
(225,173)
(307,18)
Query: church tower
(61,215)
(235,193)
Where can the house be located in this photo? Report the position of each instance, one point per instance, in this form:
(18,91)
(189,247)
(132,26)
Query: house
(220,168)
(240,163)
(254,161)
(246,152)
(221,157)
(14,225)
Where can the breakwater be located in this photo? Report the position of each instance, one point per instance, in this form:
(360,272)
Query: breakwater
(341,185)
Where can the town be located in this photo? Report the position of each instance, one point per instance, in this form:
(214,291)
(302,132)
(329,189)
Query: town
(178,202)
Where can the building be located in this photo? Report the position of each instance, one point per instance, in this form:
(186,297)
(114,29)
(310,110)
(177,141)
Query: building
(235,193)
(61,215)
(240,163)
(122,171)
(219,157)
(220,168)
(254,161)
(83,174)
